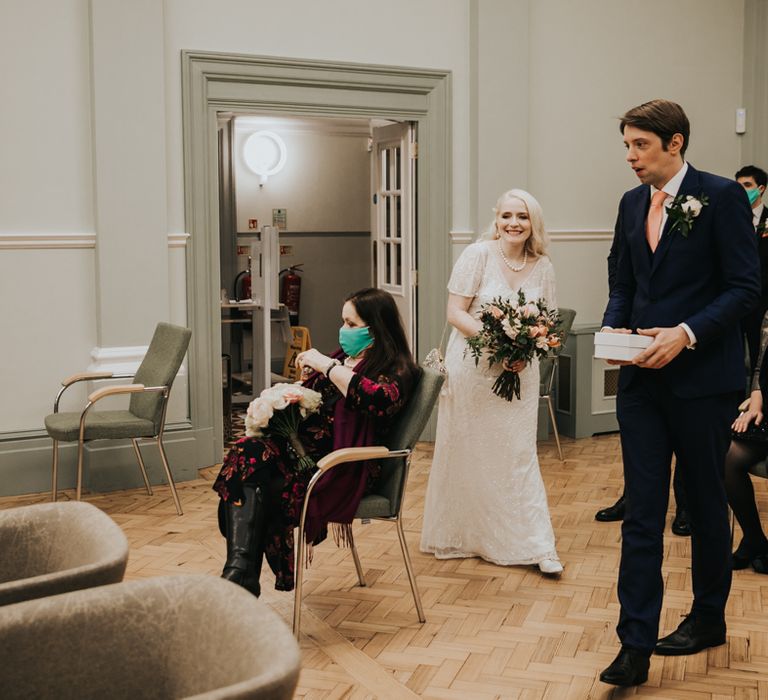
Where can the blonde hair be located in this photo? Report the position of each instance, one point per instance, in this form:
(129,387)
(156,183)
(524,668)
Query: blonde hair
(538,241)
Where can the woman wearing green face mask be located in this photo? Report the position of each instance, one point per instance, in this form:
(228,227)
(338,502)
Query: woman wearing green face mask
(363,384)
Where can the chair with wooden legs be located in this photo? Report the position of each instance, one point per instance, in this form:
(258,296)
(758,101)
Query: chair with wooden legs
(386,500)
(145,417)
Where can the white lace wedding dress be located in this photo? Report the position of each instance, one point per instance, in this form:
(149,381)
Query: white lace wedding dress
(485,495)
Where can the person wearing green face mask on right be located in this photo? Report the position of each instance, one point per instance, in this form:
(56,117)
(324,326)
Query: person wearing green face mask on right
(754,181)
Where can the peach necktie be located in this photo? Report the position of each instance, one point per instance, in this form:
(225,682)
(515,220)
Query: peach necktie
(655,216)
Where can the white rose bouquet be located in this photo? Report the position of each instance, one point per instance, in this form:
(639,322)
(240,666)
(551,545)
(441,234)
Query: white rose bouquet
(279,410)
(514,330)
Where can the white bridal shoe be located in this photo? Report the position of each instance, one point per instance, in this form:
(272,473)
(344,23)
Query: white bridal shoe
(550,566)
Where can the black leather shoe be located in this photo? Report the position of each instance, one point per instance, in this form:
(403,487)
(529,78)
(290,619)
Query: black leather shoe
(629,668)
(681,526)
(612,513)
(692,636)
(760,564)
(740,561)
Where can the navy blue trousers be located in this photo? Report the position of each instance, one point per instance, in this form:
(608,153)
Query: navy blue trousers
(654,423)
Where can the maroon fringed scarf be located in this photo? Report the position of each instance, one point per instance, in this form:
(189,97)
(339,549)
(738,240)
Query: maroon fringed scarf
(337,494)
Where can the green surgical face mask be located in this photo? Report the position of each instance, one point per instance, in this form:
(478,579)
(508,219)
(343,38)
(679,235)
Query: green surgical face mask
(753,194)
(354,340)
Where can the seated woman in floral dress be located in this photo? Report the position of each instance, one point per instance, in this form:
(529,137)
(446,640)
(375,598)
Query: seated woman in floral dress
(363,385)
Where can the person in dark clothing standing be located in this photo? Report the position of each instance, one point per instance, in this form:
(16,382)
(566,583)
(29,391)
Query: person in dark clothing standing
(754,181)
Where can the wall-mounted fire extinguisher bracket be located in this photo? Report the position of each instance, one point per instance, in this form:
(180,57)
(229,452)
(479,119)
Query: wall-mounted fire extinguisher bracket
(290,291)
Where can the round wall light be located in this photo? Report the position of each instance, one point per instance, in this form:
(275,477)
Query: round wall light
(264,153)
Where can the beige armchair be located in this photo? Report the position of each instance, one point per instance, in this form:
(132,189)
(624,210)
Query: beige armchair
(166,637)
(53,548)
(145,417)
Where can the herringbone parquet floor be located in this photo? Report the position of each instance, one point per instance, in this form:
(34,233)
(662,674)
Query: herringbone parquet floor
(491,632)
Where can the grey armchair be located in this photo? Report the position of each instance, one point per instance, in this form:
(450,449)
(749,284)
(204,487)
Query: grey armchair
(145,417)
(386,500)
(548,369)
(53,548)
(165,637)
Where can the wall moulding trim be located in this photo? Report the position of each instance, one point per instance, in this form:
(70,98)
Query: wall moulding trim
(27,241)
(572,235)
(178,240)
(123,359)
(459,237)
(53,241)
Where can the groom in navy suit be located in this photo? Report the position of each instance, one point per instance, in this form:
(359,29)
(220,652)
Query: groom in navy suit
(687,272)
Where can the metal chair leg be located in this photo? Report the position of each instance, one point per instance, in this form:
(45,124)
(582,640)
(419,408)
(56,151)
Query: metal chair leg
(170,476)
(356,558)
(55,471)
(732,519)
(409,570)
(80,450)
(554,427)
(141,465)
(300,555)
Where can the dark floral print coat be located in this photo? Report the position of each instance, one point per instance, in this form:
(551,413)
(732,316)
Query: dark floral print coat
(267,461)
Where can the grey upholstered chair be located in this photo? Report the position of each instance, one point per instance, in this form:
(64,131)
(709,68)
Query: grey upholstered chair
(166,637)
(386,501)
(53,548)
(548,369)
(145,417)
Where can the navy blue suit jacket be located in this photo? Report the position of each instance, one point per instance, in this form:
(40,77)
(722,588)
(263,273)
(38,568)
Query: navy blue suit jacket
(709,280)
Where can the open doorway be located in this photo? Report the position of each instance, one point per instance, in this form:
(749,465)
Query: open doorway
(341,191)
(219,82)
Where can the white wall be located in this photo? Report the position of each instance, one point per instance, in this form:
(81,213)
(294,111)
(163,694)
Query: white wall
(47,301)
(324,185)
(45,120)
(561,73)
(421,33)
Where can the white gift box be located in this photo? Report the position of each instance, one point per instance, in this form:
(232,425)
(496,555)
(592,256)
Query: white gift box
(620,346)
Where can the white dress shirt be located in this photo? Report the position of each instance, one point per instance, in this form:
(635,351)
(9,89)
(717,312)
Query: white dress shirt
(671,189)
(757,212)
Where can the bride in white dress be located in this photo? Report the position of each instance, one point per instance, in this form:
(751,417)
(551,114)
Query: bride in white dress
(485,496)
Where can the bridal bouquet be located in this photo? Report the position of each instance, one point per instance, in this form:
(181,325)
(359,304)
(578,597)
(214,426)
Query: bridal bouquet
(514,330)
(278,411)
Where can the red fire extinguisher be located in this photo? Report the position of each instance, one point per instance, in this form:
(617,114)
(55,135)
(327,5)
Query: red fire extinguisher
(290,291)
(245,286)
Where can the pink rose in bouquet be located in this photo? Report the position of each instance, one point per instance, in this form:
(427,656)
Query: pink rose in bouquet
(512,331)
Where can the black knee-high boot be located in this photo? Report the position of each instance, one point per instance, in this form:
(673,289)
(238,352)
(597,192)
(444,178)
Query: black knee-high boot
(245,540)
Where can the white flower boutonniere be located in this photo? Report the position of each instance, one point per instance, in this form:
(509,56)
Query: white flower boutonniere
(683,209)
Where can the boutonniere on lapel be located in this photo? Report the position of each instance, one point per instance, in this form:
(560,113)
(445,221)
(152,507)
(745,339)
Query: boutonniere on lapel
(683,209)
(762,229)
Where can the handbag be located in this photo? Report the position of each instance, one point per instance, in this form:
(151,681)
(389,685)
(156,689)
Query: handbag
(753,433)
(435,358)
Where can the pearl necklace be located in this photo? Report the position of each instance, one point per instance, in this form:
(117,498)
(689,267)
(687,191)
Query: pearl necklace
(508,263)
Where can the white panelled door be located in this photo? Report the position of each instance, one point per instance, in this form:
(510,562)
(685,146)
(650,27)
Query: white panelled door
(393,228)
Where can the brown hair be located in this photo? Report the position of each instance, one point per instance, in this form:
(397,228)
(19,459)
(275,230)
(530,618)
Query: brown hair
(660,117)
(390,351)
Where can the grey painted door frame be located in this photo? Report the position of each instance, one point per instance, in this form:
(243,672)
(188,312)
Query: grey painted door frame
(214,82)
